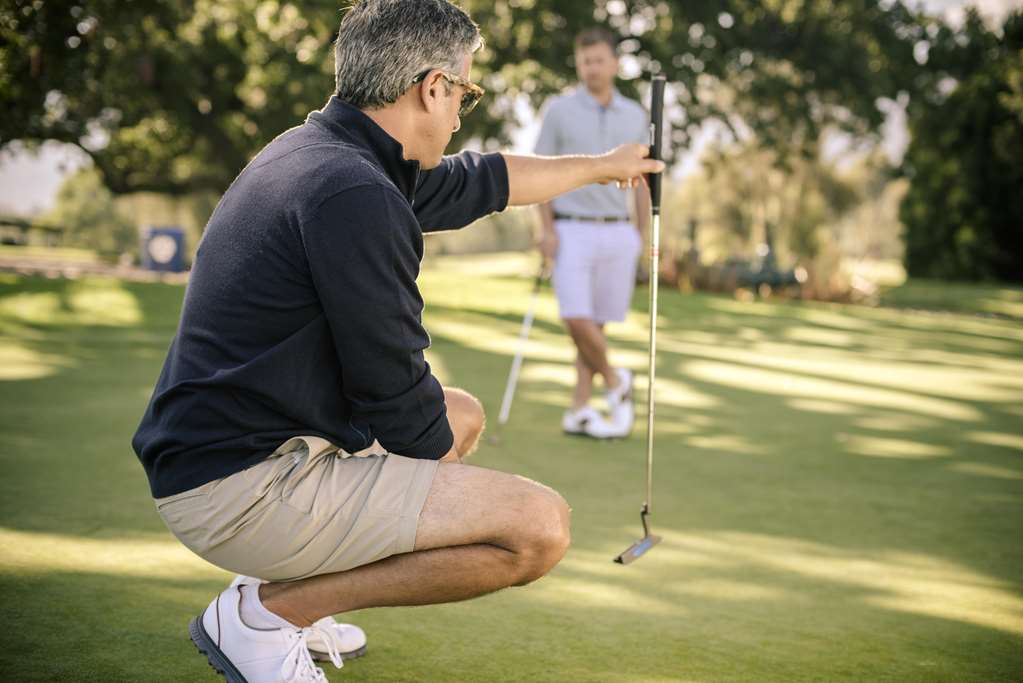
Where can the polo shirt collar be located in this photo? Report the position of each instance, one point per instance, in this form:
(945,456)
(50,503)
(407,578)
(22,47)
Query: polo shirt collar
(583,94)
(355,127)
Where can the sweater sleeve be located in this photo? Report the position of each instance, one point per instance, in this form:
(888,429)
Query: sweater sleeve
(463,188)
(364,248)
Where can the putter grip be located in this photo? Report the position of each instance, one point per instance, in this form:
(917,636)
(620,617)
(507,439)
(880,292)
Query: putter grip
(656,134)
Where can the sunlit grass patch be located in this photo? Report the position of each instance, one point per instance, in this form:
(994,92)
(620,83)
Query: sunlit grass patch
(152,556)
(94,301)
(56,254)
(984,470)
(1011,441)
(891,448)
(19,362)
(784,384)
(957,297)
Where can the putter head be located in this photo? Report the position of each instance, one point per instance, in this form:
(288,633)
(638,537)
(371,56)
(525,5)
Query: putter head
(638,549)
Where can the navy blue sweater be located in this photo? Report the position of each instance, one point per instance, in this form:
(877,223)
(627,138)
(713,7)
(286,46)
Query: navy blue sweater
(302,315)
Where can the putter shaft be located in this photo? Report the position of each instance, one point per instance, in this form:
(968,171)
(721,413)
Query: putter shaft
(655,241)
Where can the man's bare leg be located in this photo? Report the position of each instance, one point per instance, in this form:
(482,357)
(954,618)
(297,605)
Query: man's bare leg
(583,383)
(479,531)
(592,345)
(584,375)
(467,419)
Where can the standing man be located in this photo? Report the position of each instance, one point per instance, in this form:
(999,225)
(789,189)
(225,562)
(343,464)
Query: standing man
(588,233)
(296,434)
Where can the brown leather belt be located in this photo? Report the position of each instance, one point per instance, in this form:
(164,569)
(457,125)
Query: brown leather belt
(591,219)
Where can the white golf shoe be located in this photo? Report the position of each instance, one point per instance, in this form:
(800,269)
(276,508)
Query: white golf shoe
(249,655)
(348,639)
(586,421)
(620,404)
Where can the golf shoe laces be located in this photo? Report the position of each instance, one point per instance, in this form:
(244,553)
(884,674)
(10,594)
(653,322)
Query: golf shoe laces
(298,666)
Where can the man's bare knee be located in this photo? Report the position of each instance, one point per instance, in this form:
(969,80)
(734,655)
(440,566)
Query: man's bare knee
(472,505)
(545,535)
(467,419)
(577,324)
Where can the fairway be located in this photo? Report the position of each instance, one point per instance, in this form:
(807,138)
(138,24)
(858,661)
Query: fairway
(839,488)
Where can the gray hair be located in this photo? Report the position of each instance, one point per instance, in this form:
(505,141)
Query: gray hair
(383,45)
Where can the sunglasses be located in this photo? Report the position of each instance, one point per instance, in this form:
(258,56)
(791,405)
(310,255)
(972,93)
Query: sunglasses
(470,98)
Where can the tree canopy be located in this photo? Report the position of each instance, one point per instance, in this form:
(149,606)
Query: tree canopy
(963,214)
(176,95)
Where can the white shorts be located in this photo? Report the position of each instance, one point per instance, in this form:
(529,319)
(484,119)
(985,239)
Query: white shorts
(595,269)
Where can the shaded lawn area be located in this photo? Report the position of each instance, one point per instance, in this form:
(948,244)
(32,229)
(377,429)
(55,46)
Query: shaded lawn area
(840,490)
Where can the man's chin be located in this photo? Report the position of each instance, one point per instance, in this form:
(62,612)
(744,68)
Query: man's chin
(432,162)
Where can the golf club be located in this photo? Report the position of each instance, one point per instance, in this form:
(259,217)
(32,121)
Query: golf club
(648,541)
(513,375)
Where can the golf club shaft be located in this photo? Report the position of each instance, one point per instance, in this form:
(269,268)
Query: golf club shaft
(654,180)
(655,238)
(513,375)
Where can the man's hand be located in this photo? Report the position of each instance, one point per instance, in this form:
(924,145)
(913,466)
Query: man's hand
(626,165)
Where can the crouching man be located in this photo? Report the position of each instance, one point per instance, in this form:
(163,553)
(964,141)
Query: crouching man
(296,435)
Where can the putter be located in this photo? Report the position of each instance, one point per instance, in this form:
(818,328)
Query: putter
(513,375)
(640,547)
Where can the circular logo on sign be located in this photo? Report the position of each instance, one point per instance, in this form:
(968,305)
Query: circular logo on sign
(163,248)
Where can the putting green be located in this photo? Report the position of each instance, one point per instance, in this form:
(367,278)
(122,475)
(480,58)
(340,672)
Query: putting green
(840,492)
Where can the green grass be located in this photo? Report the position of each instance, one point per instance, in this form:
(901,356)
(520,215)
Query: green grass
(840,490)
(63,254)
(957,297)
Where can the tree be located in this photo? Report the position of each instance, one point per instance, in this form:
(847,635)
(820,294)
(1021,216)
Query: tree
(745,197)
(963,214)
(777,70)
(176,95)
(85,210)
(169,96)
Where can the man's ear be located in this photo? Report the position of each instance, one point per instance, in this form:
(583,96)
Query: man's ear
(431,90)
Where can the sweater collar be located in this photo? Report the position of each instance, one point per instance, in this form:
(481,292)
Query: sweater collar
(355,127)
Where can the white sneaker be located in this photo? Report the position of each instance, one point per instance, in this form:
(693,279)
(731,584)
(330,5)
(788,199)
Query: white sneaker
(251,655)
(586,421)
(623,392)
(620,404)
(348,639)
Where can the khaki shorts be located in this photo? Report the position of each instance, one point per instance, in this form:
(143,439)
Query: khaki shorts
(310,508)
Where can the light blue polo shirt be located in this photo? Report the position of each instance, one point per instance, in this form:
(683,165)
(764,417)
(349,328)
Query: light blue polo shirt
(575,123)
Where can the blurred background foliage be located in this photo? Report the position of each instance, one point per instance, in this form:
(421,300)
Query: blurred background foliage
(964,210)
(90,218)
(174,96)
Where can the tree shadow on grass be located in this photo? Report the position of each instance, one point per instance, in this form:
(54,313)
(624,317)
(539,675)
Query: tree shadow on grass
(807,537)
(887,462)
(505,320)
